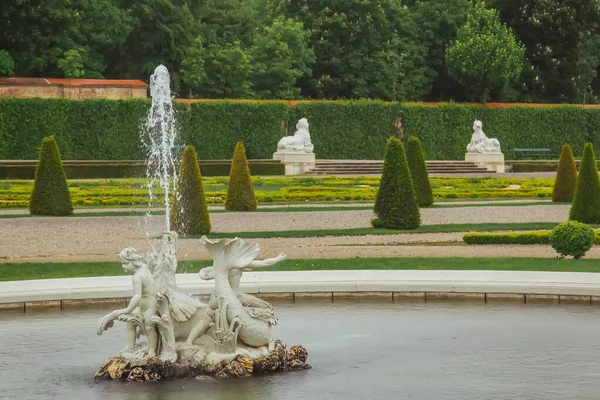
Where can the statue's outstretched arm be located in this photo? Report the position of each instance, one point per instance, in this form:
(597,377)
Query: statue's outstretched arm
(266,262)
(107,321)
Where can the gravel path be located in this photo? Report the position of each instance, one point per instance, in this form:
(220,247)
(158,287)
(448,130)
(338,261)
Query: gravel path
(101,239)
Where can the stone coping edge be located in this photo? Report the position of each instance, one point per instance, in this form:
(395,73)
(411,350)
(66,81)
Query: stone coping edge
(294,285)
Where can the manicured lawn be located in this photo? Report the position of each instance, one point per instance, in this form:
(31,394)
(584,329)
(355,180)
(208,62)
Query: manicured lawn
(12,272)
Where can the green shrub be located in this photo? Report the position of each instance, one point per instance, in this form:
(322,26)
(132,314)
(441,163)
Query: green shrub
(586,200)
(189,214)
(566,177)
(396,204)
(572,238)
(50,195)
(533,167)
(240,193)
(418,171)
(508,238)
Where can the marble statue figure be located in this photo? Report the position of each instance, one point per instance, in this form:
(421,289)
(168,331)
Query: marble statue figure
(300,142)
(141,308)
(481,143)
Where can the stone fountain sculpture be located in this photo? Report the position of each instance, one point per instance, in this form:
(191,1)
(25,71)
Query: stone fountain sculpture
(297,151)
(228,337)
(484,151)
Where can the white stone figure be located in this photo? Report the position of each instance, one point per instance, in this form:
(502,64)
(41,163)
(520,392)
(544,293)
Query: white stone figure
(481,143)
(229,255)
(300,142)
(256,307)
(141,308)
(164,267)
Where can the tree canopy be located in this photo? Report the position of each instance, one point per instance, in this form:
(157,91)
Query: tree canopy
(437,50)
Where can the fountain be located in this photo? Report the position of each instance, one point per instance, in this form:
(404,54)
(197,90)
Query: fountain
(228,337)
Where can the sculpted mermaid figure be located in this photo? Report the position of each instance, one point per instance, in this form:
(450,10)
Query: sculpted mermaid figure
(230,258)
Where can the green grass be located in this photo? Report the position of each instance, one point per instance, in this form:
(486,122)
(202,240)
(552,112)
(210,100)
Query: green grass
(12,272)
(381,231)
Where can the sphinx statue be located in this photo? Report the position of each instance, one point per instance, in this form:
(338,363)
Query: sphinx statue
(481,143)
(300,142)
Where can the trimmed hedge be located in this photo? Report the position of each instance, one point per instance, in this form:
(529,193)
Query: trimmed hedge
(418,171)
(586,200)
(50,195)
(508,238)
(533,167)
(136,170)
(566,177)
(542,237)
(396,202)
(240,192)
(189,214)
(353,129)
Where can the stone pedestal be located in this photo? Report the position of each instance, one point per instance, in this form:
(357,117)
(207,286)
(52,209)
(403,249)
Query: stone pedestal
(296,162)
(493,161)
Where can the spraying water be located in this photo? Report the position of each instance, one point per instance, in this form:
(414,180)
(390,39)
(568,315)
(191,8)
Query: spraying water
(158,136)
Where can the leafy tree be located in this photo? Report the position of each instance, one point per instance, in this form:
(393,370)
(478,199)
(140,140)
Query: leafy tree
(7,64)
(438,22)
(586,200)
(163,30)
(485,53)
(38,33)
(281,56)
(395,204)
(240,192)
(560,37)
(228,69)
(566,176)
(189,214)
(362,48)
(192,66)
(418,171)
(72,64)
(50,195)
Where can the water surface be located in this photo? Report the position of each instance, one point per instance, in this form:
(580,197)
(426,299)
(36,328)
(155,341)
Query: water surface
(359,350)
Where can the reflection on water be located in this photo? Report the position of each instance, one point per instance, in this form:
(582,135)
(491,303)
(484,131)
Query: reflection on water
(359,350)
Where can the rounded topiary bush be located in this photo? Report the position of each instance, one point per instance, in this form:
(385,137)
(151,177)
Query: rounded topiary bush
(566,176)
(418,171)
(586,200)
(240,193)
(50,195)
(396,204)
(189,215)
(572,238)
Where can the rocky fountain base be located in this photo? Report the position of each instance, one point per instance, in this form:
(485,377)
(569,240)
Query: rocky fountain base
(192,362)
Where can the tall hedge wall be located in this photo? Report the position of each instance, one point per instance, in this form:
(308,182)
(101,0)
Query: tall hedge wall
(347,129)
(214,128)
(109,130)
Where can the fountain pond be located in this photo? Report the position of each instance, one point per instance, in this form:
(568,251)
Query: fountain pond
(359,350)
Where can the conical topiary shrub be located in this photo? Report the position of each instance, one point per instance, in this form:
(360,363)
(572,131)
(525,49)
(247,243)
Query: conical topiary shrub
(189,215)
(566,176)
(240,193)
(50,195)
(586,200)
(396,204)
(418,171)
